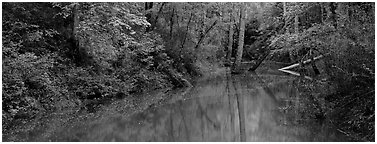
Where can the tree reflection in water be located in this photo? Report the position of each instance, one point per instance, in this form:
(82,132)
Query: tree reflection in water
(247,107)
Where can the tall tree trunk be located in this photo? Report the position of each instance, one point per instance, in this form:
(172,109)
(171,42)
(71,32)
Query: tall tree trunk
(177,19)
(230,42)
(75,51)
(321,11)
(172,23)
(296,24)
(331,14)
(241,36)
(187,30)
(75,21)
(285,17)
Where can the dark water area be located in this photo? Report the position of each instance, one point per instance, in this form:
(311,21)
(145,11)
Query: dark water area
(247,107)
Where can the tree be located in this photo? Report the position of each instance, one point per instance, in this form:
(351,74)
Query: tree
(343,14)
(187,29)
(152,16)
(172,21)
(285,15)
(203,35)
(241,36)
(331,13)
(230,40)
(296,24)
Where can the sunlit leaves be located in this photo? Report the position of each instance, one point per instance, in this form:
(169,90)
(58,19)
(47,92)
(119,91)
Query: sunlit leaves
(103,26)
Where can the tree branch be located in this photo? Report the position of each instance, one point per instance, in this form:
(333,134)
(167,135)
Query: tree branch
(187,28)
(204,35)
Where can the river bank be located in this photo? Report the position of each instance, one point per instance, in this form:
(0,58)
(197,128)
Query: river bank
(45,125)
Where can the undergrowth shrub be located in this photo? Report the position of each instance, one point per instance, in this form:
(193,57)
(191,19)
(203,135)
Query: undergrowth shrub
(30,86)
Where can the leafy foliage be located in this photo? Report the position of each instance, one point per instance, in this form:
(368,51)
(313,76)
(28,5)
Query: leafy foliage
(349,64)
(40,74)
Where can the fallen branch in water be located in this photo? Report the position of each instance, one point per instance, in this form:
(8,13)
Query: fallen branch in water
(295,73)
(304,62)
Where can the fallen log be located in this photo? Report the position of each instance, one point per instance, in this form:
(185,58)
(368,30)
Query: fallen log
(295,73)
(304,62)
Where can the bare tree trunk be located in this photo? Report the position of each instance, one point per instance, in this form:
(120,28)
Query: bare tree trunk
(187,30)
(296,24)
(230,44)
(172,23)
(75,50)
(241,37)
(321,11)
(177,19)
(285,17)
(75,21)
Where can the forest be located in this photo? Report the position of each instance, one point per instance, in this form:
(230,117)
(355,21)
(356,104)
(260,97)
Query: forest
(75,57)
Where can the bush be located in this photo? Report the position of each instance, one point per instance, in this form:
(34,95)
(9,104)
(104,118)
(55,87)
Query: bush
(30,86)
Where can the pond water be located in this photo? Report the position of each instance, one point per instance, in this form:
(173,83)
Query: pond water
(247,107)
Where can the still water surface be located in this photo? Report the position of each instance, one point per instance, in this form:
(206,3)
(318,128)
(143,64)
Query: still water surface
(248,107)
